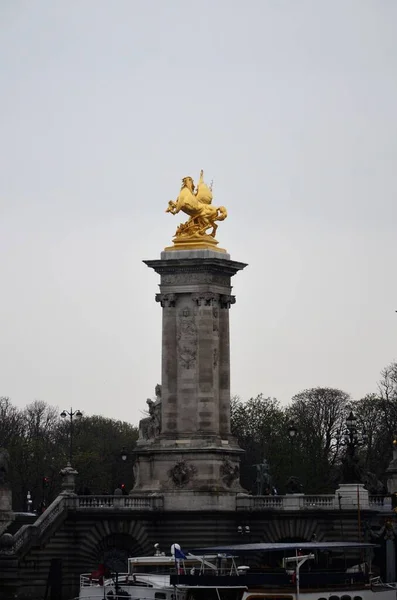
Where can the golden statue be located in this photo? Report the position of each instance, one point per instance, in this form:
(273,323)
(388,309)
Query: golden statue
(197,203)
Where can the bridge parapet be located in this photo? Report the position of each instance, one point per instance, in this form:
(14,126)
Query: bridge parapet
(135,502)
(380,503)
(304,502)
(29,535)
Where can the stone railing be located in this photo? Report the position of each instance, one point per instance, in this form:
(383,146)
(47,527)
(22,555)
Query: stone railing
(288,502)
(380,502)
(306,502)
(115,502)
(32,533)
(318,501)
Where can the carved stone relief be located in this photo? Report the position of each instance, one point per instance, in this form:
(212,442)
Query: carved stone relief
(216,357)
(166,300)
(226,300)
(205,298)
(194,278)
(181,473)
(187,356)
(215,322)
(187,337)
(229,472)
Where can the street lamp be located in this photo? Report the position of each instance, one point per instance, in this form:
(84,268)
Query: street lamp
(243,530)
(77,414)
(292,430)
(123,454)
(292,433)
(351,438)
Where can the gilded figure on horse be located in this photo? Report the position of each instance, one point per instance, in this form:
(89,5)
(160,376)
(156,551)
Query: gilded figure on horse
(197,204)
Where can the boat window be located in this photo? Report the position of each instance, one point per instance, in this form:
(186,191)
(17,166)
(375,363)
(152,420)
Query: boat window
(346,597)
(334,598)
(160,596)
(357,598)
(322,599)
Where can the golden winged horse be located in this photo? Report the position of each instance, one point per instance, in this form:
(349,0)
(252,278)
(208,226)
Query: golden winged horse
(197,204)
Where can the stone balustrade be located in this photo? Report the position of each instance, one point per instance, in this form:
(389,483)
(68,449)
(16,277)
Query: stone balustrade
(292,502)
(141,502)
(29,534)
(305,502)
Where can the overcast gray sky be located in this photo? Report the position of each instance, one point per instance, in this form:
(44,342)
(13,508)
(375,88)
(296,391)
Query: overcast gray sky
(288,105)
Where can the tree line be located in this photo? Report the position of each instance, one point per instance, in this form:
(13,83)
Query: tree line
(38,441)
(315,454)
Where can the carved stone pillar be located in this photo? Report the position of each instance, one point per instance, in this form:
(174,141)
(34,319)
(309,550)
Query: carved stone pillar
(195,449)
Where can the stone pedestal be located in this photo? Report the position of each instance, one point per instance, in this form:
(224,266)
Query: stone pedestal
(191,449)
(352,496)
(293,501)
(68,475)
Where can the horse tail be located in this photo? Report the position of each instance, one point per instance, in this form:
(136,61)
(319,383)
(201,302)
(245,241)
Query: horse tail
(222,213)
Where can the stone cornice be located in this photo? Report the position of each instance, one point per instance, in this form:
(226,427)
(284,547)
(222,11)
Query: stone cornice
(195,265)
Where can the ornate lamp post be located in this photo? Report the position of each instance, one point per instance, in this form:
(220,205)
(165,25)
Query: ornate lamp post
(77,414)
(351,438)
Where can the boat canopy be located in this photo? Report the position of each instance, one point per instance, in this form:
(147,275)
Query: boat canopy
(280,546)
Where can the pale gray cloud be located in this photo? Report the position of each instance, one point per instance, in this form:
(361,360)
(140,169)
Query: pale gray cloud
(288,105)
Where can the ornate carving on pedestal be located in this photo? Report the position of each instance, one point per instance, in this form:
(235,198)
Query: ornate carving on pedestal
(215,321)
(187,356)
(187,327)
(226,300)
(195,278)
(181,473)
(187,337)
(229,472)
(166,300)
(205,298)
(216,357)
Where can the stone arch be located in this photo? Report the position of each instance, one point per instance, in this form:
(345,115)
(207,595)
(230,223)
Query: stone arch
(283,530)
(114,550)
(105,536)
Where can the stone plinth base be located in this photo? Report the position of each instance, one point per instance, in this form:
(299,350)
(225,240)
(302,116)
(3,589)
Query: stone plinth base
(199,501)
(68,475)
(185,469)
(352,495)
(293,501)
(198,242)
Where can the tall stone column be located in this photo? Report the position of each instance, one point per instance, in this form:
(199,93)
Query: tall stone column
(193,451)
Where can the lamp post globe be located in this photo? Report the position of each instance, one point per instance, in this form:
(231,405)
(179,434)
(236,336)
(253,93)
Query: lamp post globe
(72,415)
